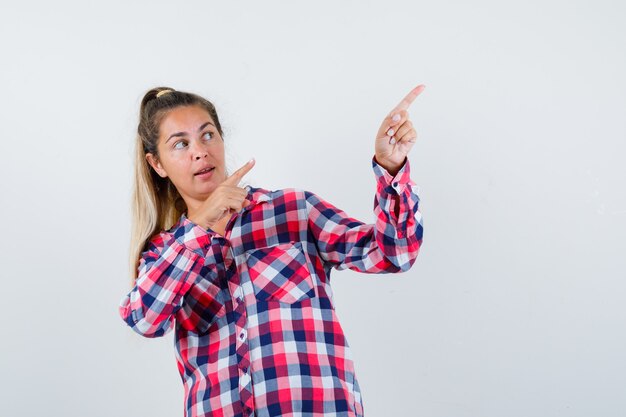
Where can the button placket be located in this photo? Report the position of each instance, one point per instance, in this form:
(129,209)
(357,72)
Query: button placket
(245,386)
(240,333)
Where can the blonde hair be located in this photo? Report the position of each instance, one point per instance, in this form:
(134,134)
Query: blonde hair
(156,205)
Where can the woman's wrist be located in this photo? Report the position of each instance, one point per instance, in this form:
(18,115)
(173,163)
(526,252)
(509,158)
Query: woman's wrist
(392,170)
(205,225)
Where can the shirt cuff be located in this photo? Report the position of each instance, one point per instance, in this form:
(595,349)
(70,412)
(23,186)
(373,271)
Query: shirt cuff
(193,236)
(393,184)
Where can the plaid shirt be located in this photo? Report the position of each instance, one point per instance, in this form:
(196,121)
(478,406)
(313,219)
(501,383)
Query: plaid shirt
(256,329)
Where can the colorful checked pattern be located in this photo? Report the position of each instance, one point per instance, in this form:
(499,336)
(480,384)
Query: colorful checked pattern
(256,332)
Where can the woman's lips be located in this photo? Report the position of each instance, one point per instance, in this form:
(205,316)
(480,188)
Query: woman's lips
(206,174)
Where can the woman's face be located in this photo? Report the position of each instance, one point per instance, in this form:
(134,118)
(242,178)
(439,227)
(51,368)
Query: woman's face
(188,143)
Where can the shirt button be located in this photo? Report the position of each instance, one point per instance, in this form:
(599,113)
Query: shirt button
(245,369)
(242,335)
(395,184)
(245,378)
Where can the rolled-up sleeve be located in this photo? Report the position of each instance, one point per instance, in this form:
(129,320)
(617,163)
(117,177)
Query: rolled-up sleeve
(167,270)
(390,245)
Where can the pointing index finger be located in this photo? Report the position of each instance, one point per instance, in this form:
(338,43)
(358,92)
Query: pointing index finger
(236,176)
(408,99)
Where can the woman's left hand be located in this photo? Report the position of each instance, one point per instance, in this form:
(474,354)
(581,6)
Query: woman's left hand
(395,138)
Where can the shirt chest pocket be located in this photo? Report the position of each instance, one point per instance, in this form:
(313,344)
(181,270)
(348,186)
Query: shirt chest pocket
(280,273)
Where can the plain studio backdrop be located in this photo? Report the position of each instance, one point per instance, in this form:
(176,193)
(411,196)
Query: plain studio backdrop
(516,303)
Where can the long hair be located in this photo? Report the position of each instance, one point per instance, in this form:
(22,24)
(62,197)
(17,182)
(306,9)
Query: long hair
(156,205)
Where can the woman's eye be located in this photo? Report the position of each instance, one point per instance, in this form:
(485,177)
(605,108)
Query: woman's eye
(210,135)
(180,142)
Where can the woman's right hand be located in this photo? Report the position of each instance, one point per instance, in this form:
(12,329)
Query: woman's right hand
(227,198)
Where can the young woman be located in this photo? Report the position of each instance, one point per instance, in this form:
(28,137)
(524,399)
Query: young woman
(243,274)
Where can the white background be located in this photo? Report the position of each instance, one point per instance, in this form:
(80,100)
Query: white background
(516,304)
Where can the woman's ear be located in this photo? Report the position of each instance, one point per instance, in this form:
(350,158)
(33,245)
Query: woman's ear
(156,165)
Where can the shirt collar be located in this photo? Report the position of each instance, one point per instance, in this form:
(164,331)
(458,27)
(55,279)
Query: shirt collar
(256,194)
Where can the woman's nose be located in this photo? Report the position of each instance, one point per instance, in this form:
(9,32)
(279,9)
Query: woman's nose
(198,152)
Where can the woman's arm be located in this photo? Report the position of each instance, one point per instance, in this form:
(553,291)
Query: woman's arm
(167,270)
(392,243)
(389,245)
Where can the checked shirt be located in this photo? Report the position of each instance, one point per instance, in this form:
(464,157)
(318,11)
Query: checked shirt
(256,333)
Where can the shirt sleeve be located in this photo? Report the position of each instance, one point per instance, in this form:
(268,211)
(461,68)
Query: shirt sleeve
(389,245)
(167,270)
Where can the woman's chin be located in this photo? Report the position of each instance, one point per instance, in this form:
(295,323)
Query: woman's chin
(205,190)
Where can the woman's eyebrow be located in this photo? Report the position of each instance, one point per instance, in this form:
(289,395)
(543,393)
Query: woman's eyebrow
(179,134)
